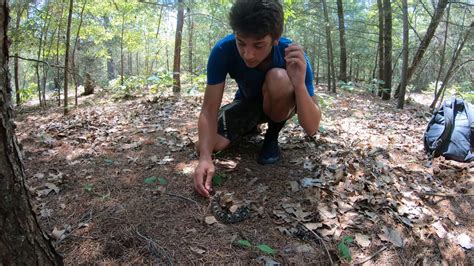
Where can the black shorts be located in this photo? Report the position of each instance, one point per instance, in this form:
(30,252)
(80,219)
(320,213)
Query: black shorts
(240,117)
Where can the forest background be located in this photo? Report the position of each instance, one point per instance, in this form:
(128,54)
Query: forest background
(126,46)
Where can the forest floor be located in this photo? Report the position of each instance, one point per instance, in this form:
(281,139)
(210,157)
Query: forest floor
(112,183)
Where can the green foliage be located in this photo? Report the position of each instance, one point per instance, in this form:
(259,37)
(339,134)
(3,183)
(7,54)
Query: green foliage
(465,89)
(244,243)
(266,249)
(343,248)
(346,86)
(27,93)
(262,247)
(218,179)
(88,187)
(150,180)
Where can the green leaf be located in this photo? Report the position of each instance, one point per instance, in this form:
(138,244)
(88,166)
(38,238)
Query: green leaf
(162,181)
(150,180)
(217,180)
(266,249)
(344,249)
(244,243)
(88,187)
(109,161)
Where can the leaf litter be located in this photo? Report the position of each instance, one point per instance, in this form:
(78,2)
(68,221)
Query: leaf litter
(364,176)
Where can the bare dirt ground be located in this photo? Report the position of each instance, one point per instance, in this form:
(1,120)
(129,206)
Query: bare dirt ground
(112,183)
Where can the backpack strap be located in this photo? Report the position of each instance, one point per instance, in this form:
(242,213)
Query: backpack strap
(449,110)
(470,119)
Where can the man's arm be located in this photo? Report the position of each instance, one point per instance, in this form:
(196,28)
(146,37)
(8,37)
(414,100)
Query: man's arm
(207,130)
(309,113)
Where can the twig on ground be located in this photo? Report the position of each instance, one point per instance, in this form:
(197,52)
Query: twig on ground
(89,213)
(371,256)
(446,195)
(152,244)
(181,197)
(321,240)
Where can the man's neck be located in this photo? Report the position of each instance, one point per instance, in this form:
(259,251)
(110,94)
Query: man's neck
(266,64)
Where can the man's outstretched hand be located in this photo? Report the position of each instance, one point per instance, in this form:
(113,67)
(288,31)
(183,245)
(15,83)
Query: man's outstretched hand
(203,177)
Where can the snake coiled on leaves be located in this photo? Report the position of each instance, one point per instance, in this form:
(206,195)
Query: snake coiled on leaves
(224,215)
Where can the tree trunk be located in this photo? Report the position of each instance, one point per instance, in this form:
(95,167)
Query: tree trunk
(21,240)
(74,71)
(66,56)
(110,59)
(450,72)
(190,43)
(16,61)
(387,50)
(177,49)
(58,74)
(332,73)
(401,98)
(342,42)
(121,50)
(443,52)
(380,51)
(435,19)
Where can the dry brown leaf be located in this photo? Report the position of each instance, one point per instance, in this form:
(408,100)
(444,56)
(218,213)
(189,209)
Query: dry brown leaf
(363,240)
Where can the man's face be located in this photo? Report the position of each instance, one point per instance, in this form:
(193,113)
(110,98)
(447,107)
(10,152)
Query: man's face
(252,50)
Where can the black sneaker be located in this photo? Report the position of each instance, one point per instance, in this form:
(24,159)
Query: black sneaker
(270,153)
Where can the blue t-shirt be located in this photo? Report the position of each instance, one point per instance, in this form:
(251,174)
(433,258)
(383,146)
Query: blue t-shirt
(225,59)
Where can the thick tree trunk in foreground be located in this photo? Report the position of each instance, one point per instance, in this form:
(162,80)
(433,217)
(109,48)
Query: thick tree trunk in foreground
(177,49)
(21,239)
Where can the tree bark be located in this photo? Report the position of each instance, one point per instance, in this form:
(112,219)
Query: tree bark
(58,74)
(443,51)
(387,88)
(16,61)
(21,239)
(342,42)
(331,71)
(190,43)
(380,51)
(450,71)
(401,98)
(121,50)
(73,57)
(435,19)
(177,49)
(66,56)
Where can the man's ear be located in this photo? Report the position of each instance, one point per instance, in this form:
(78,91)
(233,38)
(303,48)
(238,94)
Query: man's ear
(275,42)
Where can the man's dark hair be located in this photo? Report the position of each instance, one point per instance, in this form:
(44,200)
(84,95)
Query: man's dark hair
(257,18)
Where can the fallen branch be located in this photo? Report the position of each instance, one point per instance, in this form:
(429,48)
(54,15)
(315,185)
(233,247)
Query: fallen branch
(321,240)
(181,197)
(152,244)
(371,256)
(446,195)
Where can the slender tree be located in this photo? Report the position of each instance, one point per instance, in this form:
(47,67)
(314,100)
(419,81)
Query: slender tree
(177,49)
(381,45)
(73,57)
(435,19)
(387,50)
(443,51)
(21,240)
(401,98)
(342,42)
(66,56)
(331,71)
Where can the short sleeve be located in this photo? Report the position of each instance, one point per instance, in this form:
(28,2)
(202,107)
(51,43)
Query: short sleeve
(217,67)
(309,78)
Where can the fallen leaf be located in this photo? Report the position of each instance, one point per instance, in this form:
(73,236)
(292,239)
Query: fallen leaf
(210,219)
(150,180)
(440,231)
(244,243)
(464,241)
(52,187)
(362,240)
(264,260)
(58,234)
(294,186)
(313,226)
(392,235)
(199,251)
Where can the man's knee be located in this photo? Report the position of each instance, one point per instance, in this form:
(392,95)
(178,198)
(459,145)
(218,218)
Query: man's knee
(277,83)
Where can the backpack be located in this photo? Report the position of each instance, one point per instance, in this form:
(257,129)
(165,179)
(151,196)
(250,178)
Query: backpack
(450,132)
